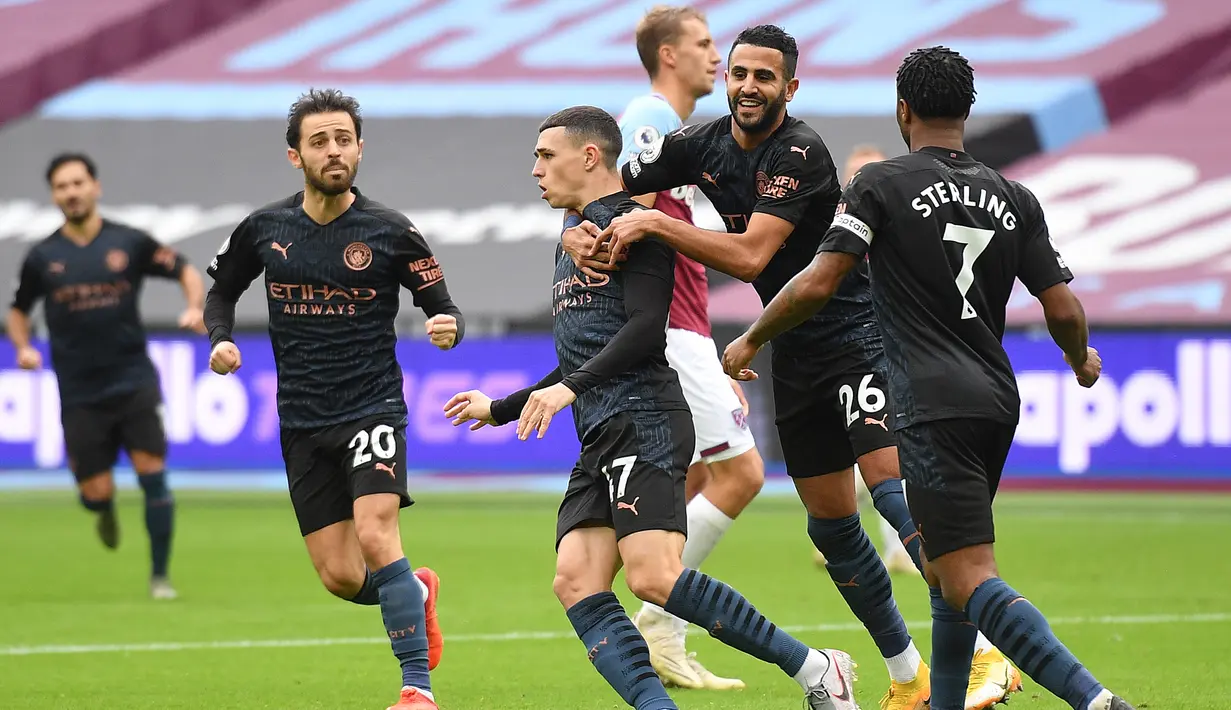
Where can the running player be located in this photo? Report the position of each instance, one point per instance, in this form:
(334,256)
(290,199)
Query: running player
(334,262)
(90,273)
(947,236)
(625,497)
(678,53)
(771,178)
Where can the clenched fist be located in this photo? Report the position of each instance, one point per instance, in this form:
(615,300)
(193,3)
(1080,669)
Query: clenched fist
(224,359)
(29,359)
(442,330)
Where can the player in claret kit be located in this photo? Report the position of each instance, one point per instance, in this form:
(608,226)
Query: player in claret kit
(946,237)
(334,263)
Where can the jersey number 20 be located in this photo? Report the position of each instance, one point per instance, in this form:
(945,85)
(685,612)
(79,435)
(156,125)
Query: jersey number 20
(975,241)
(384,445)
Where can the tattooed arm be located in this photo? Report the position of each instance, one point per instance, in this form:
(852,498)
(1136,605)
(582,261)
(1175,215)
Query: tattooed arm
(803,296)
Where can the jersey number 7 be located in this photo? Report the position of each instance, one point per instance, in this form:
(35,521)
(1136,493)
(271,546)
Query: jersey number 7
(975,241)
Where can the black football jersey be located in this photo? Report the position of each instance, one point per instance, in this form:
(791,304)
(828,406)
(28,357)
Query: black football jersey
(790,175)
(98,345)
(945,237)
(630,374)
(333,296)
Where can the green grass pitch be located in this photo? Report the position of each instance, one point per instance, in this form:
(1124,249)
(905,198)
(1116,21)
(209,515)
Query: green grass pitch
(1138,586)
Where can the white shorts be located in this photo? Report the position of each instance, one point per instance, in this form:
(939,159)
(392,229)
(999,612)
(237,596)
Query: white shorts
(717,416)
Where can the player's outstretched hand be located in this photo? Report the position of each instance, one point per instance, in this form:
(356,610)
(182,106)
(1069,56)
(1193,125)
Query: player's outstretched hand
(193,319)
(471,406)
(1088,372)
(737,357)
(624,230)
(577,242)
(442,330)
(542,406)
(29,359)
(224,358)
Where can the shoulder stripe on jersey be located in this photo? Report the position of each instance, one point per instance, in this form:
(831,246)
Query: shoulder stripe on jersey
(855,225)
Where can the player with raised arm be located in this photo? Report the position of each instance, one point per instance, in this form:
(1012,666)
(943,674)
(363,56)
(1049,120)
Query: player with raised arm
(678,53)
(89,273)
(334,263)
(771,178)
(946,237)
(625,498)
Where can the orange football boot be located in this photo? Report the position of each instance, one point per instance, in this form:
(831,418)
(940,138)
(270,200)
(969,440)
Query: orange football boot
(412,699)
(435,639)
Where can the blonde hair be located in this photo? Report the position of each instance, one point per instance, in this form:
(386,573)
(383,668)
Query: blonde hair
(661,25)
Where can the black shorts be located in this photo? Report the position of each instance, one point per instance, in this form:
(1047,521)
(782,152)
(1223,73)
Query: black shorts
(630,475)
(952,468)
(328,468)
(831,412)
(95,432)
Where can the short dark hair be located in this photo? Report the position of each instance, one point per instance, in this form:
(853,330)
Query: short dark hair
(320,101)
(65,158)
(937,82)
(589,124)
(771,37)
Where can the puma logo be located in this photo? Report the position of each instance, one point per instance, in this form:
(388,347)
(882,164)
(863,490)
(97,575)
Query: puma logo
(878,422)
(594,651)
(628,506)
(712,179)
(387,468)
(716,629)
(802,151)
(851,583)
(281,249)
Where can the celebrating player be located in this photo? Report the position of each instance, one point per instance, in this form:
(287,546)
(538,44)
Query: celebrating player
(947,237)
(897,559)
(625,497)
(90,272)
(727,472)
(334,262)
(771,178)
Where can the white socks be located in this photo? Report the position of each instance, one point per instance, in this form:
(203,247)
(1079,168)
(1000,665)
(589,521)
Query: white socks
(706,526)
(1103,701)
(816,665)
(982,644)
(422,588)
(425,693)
(905,666)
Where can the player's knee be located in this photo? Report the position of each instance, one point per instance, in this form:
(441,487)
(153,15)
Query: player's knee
(99,487)
(652,574)
(744,473)
(574,582)
(342,581)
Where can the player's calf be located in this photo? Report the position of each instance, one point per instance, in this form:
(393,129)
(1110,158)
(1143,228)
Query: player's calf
(159,521)
(586,562)
(97,495)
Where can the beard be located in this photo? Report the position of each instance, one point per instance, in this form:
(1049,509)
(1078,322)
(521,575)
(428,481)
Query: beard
(770,111)
(328,186)
(77,213)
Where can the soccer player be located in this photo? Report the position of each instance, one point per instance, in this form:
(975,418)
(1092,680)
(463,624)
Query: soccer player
(625,497)
(334,262)
(771,178)
(90,272)
(947,236)
(678,53)
(897,559)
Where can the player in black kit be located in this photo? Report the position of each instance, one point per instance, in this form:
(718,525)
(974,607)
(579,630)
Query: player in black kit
(90,273)
(334,264)
(946,236)
(625,499)
(771,178)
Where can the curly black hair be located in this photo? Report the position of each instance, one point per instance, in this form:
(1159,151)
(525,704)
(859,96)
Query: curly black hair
(770,37)
(937,82)
(320,101)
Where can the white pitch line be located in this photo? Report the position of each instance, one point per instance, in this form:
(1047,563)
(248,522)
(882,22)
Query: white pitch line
(543,636)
